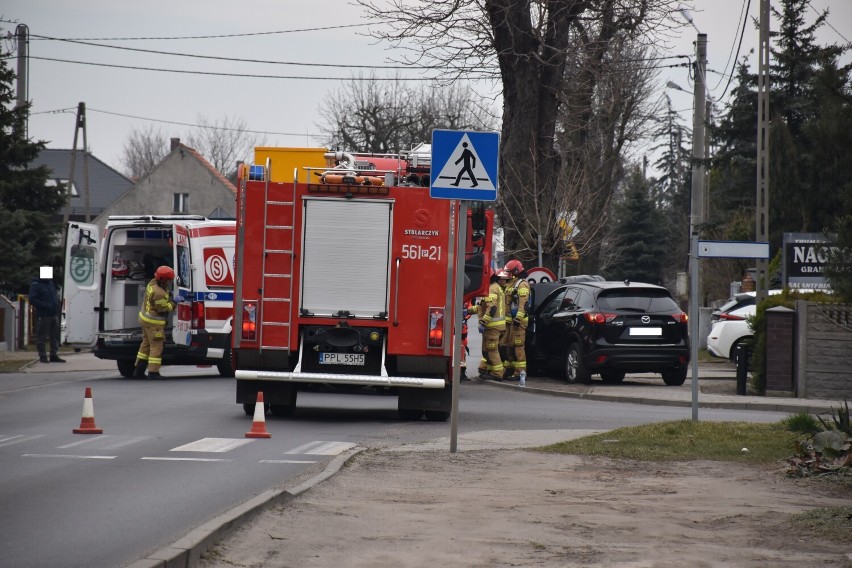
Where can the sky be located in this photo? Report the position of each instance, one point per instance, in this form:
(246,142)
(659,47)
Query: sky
(278,102)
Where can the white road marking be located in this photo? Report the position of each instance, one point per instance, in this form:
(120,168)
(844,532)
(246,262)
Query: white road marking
(9,440)
(218,445)
(321,448)
(69,456)
(186,459)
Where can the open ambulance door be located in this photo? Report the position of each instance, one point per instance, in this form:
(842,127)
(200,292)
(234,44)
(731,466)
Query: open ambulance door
(82,284)
(182,286)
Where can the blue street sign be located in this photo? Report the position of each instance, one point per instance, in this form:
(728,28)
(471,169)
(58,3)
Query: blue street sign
(464,165)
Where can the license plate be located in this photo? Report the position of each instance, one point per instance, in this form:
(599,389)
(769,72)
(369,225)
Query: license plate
(341,358)
(646,331)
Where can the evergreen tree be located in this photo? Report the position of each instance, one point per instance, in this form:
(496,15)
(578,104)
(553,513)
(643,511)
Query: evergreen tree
(639,234)
(808,136)
(733,165)
(27,205)
(671,191)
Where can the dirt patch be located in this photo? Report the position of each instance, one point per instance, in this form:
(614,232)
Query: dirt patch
(525,508)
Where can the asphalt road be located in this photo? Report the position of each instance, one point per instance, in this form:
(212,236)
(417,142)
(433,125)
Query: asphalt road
(173,453)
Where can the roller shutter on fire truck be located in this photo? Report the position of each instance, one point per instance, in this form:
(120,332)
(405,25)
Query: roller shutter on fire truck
(346,260)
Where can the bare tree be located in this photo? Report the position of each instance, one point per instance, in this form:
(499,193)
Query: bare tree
(223,142)
(143,150)
(528,46)
(388,116)
(606,110)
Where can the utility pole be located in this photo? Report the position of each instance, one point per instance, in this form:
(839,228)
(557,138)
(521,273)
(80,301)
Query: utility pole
(80,122)
(761,204)
(696,215)
(22,32)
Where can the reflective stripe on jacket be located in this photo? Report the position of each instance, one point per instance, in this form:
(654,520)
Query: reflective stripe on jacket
(157,304)
(521,288)
(495,300)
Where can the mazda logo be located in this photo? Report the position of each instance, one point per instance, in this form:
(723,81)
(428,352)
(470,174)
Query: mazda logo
(646,319)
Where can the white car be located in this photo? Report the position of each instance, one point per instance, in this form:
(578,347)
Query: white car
(729,331)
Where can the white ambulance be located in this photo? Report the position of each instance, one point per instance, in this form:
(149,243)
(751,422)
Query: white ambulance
(106,276)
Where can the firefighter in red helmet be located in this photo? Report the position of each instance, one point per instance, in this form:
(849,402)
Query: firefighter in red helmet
(153,317)
(516,293)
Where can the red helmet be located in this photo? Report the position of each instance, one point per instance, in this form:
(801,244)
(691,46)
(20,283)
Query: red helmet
(514,267)
(503,274)
(164,273)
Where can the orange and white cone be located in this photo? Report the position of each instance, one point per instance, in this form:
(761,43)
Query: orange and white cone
(87,424)
(258,427)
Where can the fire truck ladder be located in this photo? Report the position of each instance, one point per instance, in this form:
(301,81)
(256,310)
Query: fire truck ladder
(277,267)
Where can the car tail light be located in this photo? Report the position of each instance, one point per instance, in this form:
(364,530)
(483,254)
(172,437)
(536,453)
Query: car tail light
(599,317)
(198,320)
(680,317)
(730,317)
(249,321)
(436,327)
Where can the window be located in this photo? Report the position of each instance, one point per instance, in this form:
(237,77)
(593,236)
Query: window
(181,203)
(70,188)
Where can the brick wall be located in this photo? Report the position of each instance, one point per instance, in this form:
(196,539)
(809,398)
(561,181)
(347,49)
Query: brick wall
(824,351)
(780,331)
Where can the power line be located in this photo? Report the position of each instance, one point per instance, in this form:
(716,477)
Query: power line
(829,24)
(292,77)
(244,75)
(296,63)
(72,110)
(232,59)
(744,17)
(217,36)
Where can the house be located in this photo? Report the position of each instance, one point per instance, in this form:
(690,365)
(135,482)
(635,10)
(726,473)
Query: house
(103,186)
(182,183)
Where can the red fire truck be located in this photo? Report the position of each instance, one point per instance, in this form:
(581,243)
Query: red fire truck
(345,278)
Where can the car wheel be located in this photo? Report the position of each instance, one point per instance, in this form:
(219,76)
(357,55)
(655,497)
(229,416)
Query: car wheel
(410,413)
(126,367)
(675,377)
(437,415)
(612,377)
(575,370)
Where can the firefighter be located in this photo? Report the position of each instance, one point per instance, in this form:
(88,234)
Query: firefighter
(492,325)
(516,291)
(152,317)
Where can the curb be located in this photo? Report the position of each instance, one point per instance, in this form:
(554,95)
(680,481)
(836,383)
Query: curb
(728,405)
(186,551)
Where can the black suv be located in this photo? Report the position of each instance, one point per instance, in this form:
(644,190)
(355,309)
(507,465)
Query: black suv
(583,325)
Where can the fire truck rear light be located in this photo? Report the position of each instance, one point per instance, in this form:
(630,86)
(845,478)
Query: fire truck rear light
(436,328)
(249,321)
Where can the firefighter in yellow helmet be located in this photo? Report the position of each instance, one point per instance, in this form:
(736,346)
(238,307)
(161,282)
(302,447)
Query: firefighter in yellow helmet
(516,292)
(492,325)
(153,317)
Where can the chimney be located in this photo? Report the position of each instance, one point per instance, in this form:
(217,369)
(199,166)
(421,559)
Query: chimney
(175,144)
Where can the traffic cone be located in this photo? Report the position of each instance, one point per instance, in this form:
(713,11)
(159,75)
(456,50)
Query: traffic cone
(258,427)
(87,424)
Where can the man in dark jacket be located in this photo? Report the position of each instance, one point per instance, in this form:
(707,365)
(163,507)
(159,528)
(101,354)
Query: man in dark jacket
(45,300)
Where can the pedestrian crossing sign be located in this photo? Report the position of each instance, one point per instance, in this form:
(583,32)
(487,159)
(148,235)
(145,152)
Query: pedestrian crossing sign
(464,165)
